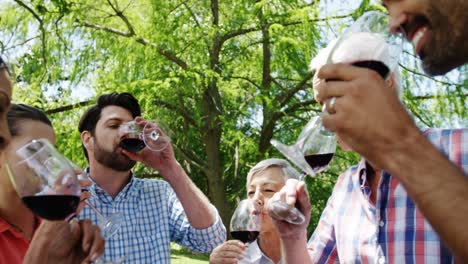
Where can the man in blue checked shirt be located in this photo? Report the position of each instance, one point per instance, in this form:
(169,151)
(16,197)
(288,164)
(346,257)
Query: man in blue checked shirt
(155,212)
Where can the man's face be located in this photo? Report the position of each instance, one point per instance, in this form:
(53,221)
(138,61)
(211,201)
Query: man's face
(5,100)
(438,30)
(106,139)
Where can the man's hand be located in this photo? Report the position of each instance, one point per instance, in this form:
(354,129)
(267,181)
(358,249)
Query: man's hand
(230,252)
(85,183)
(293,194)
(163,161)
(63,242)
(366,115)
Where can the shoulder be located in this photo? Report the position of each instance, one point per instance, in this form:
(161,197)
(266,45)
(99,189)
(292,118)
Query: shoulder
(152,184)
(436,134)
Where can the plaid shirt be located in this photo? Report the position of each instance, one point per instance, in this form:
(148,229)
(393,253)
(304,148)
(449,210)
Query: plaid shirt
(353,230)
(153,218)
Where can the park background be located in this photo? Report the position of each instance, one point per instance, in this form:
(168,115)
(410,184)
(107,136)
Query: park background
(225,77)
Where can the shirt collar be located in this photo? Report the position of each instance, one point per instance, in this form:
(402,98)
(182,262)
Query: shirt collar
(130,190)
(255,253)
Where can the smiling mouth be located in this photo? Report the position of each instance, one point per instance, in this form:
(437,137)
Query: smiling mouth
(416,30)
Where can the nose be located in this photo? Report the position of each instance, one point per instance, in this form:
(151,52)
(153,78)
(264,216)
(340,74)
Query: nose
(258,198)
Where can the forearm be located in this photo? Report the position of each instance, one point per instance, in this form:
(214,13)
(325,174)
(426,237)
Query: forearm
(437,186)
(294,250)
(196,205)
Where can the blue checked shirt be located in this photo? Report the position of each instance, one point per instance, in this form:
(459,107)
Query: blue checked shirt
(352,229)
(153,218)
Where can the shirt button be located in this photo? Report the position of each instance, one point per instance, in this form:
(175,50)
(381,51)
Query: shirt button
(381,260)
(381,223)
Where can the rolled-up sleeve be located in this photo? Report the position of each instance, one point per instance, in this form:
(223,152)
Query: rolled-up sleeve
(200,240)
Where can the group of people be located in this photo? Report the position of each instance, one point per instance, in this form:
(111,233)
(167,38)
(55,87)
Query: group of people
(405,202)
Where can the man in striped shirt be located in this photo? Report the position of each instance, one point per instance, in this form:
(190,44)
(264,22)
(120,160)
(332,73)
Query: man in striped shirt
(373,215)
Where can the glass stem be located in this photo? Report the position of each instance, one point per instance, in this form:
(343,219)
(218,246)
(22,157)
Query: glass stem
(95,210)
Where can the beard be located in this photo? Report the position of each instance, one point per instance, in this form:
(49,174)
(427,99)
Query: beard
(447,50)
(112,159)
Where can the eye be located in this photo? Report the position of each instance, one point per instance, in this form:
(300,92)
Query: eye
(250,193)
(270,191)
(113,126)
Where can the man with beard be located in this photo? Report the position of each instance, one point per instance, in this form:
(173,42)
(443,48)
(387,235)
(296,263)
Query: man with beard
(372,121)
(156,212)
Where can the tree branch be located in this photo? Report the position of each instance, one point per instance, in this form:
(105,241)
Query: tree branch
(179,110)
(245,79)
(243,31)
(68,107)
(164,52)
(192,13)
(285,97)
(215,12)
(120,14)
(427,76)
(41,27)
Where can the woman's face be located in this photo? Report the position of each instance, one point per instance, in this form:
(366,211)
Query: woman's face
(261,188)
(27,131)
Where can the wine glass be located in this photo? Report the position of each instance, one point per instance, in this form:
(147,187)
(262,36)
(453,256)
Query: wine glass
(134,138)
(44,180)
(245,222)
(312,152)
(369,43)
(108,225)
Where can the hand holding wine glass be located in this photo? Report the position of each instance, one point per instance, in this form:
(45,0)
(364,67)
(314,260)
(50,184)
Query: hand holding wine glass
(135,136)
(245,222)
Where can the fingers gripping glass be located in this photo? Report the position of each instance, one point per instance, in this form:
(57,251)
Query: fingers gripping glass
(109,226)
(245,222)
(44,180)
(312,152)
(135,138)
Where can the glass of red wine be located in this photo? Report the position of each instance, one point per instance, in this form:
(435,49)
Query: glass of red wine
(368,43)
(44,180)
(246,221)
(134,138)
(312,152)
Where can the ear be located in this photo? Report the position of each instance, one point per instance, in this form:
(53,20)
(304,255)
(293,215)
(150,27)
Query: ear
(87,139)
(391,81)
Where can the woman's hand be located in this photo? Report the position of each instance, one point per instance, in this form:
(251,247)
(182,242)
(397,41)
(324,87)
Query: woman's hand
(230,252)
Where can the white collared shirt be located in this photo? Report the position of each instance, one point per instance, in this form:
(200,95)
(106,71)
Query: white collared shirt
(254,255)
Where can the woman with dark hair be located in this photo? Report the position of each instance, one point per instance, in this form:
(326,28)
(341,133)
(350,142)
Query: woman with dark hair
(23,238)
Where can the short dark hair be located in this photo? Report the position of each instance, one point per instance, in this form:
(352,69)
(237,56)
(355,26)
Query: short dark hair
(93,114)
(18,112)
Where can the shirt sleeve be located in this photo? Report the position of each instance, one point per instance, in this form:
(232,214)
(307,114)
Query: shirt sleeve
(453,143)
(200,240)
(322,244)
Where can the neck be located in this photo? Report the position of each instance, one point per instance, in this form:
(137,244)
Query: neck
(13,210)
(374,182)
(269,243)
(110,180)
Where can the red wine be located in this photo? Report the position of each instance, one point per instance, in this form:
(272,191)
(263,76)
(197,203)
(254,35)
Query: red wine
(132,144)
(377,66)
(318,162)
(52,207)
(245,236)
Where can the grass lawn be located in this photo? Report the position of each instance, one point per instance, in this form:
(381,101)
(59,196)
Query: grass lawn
(180,255)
